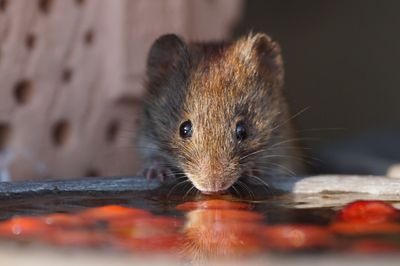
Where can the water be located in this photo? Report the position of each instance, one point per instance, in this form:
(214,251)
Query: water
(195,227)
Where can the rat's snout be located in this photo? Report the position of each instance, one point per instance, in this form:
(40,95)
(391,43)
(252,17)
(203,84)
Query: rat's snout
(216,185)
(214,173)
(210,180)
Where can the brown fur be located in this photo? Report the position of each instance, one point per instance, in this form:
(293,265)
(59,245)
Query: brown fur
(216,85)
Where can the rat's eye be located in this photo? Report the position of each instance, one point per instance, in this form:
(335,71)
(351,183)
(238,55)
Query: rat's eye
(186,130)
(240,131)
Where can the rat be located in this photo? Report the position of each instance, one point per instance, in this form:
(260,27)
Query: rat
(215,113)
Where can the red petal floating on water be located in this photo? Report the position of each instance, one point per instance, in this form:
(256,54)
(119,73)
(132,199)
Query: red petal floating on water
(212,204)
(360,228)
(374,246)
(146,226)
(111,212)
(293,237)
(23,226)
(171,243)
(65,220)
(371,212)
(76,238)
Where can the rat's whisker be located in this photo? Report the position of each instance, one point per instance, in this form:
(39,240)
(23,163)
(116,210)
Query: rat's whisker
(290,157)
(290,118)
(278,144)
(264,184)
(237,192)
(187,193)
(176,186)
(321,129)
(240,186)
(246,188)
(271,171)
(177,178)
(251,154)
(179,174)
(280,166)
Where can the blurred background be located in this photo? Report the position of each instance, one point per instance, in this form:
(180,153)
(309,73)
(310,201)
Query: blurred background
(342,60)
(71,75)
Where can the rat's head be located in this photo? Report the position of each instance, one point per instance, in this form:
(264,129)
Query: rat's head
(212,107)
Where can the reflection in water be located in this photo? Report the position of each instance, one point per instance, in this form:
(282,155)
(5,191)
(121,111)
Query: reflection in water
(216,233)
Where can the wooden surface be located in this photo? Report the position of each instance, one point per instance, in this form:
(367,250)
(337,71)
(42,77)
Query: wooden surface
(311,191)
(85,185)
(71,77)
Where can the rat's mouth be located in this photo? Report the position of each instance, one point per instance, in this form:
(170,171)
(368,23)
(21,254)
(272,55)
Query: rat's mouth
(214,193)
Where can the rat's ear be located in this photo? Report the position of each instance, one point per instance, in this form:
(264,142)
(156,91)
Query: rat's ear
(266,52)
(166,53)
